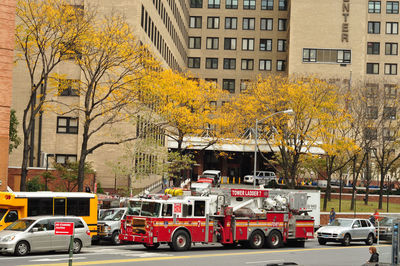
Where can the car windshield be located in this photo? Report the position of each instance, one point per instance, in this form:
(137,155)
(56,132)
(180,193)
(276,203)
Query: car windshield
(341,222)
(387,221)
(145,208)
(20,225)
(2,213)
(111,215)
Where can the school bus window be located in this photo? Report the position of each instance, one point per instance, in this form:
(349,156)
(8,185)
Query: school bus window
(2,212)
(78,206)
(12,216)
(40,206)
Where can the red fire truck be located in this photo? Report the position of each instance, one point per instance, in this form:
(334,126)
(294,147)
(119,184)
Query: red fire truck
(251,217)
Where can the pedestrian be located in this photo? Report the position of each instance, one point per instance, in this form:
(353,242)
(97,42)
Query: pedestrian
(374,255)
(332,215)
(372,219)
(376,215)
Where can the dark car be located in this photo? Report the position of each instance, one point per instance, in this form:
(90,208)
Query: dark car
(385,227)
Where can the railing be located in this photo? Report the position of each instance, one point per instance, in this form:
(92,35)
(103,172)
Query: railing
(150,188)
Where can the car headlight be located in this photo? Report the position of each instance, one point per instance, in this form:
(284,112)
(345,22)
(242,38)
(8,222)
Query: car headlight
(389,229)
(7,238)
(107,228)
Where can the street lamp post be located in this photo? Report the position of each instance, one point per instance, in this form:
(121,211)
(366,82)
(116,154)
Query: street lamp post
(289,111)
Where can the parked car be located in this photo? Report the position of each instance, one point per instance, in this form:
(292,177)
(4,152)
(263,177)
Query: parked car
(109,224)
(346,231)
(36,234)
(215,174)
(262,177)
(386,226)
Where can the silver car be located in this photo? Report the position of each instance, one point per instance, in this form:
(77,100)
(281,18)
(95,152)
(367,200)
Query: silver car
(36,234)
(347,230)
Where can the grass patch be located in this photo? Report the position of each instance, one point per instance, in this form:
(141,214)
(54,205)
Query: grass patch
(360,206)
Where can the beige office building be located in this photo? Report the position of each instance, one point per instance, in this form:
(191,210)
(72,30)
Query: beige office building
(231,42)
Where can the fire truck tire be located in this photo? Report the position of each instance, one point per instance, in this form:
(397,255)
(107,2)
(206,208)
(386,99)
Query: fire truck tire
(274,239)
(256,240)
(181,241)
(115,238)
(153,247)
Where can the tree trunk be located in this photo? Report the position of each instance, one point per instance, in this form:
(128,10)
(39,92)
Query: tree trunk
(381,188)
(25,159)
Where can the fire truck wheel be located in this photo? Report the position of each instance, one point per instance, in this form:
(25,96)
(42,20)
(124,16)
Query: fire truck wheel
(115,238)
(321,241)
(181,241)
(256,240)
(274,239)
(153,247)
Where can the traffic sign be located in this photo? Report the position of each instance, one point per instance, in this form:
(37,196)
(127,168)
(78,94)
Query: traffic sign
(61,228)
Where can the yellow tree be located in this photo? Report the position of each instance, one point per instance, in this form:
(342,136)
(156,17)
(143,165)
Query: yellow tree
(113,64)
(46,31)
(293,135)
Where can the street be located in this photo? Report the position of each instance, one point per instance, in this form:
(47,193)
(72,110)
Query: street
(312,255)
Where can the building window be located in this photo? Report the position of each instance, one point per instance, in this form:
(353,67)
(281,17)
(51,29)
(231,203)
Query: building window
(280,65)
(196,3)
(229,63)
(230,23)
(267,4)
(283,4)
(389,113)
(343,56)
(244,84)
(390,48)
(392,7)
(212,63)
(390,69)
(392,28)
(374,7)
(281,45)
(374,27)
(265,64)
(265,44)
(214,3)
(229,85)
(372,90)
(248,23)
(249,4)
(64,158)
(388,134)
(194,62)
(195,22)
(373,47)
(370,133)
(68,125)
(68,87)
(194,42)
(213,22)
(372,68)
(247,64)
(231,4)
(372,112)
(309,55)
(266,24)
(282,24)
(248,44)
(390,91)
(230,43)
(212,43)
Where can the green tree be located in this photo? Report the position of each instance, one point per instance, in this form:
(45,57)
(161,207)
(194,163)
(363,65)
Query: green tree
(69,174)
(13,134)
(34,184)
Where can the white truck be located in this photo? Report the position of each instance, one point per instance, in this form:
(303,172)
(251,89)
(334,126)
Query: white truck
(215,174)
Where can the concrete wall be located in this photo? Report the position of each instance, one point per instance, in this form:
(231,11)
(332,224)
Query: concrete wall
(7,21)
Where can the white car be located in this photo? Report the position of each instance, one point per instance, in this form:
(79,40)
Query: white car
(346,231)
(262,177)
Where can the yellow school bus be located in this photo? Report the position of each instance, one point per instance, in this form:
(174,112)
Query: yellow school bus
(16,205)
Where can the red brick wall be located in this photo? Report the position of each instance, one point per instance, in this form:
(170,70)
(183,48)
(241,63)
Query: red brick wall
(7,25)
(14,176)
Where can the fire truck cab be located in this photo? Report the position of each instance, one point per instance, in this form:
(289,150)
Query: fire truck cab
(252,218)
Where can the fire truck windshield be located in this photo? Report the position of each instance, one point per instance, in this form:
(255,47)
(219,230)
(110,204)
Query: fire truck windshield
(146,208)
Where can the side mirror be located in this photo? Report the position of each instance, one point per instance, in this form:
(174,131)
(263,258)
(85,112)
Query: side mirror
(35,229)
(355,226)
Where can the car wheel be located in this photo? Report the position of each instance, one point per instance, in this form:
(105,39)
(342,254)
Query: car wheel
(346,240)
(22,248)
(256,240)
(370,240)
(181,241)
(77,246)
(115,238)
(321,241)
(274,239)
